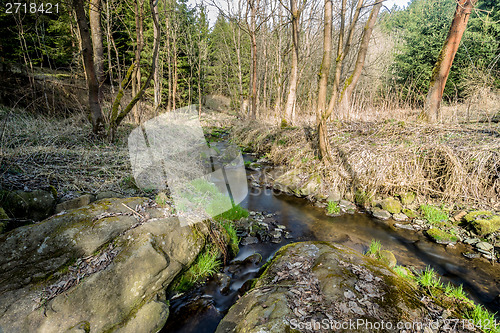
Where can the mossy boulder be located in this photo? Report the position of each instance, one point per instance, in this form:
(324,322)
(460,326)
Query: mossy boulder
(487,225)
(325,282)
(289,182)
(312,186)
(392,205)
(36,205)
(388,258)
(441,237)
(471,216)
(408,198)
(126,295)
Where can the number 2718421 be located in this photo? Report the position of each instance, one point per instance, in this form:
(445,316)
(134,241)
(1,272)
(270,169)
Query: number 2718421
(31,8)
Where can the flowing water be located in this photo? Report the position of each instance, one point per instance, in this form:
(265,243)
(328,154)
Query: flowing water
(202,309)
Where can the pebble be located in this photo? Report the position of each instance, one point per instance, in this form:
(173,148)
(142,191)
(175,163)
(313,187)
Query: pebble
(380,213)
(249,240)
(404,226)
(483,246)
(472,241)
(400,217)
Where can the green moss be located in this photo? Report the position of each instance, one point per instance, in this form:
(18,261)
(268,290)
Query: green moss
(391,205)
(486,226)
(434,215)
(410,213)
(440,236)
(408,198)
(387,258)
(471,216)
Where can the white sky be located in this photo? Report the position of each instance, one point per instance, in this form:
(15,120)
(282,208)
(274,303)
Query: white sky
(212,12)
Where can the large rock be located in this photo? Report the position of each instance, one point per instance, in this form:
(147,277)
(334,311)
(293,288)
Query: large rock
(75,203)
(392,205)
(126,295)
(36,205)
(320,282)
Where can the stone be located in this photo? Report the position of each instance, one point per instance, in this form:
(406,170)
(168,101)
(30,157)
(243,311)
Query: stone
(380,213)
(391,205)
(484,247)
(223,280)
(459,216)
(312,186)
(347,206)
(249,240)
(126,296)
(36,205)
(486,226)
(288,182)
(400,217)
(75,203)
(408,198)
(471,216)
(388,258)
(441,237)
(472,241)
(108,194)
(410,213)
(404,226)
(324,281)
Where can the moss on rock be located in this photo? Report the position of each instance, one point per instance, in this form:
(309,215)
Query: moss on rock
(408,198)
(471,216)
(392,205)
(441,237)
(486,226)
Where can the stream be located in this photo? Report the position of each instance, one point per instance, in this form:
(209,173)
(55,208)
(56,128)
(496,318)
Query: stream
(201,309)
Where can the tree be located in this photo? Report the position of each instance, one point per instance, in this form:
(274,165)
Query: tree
(295,12)
(351,82)
(323,82)
(116,115)
(96,116)
(445,59)
(96,30)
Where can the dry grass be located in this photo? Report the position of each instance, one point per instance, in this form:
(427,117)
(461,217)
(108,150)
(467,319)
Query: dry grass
(37,151)
(453,164)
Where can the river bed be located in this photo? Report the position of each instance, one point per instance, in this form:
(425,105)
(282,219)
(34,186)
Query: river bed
(200,310)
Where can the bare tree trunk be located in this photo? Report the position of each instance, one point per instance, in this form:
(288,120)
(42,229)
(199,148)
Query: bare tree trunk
(324,147)
(342,52)
(108,42)
(253,37)
(136,81)
(157,77)
(116,116)
(352,81)
(98,48)
(294,75)
(96,116)
(445,60)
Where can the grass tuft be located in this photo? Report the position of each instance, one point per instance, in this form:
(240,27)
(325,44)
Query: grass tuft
(374,248)
(333,207)
(434,215)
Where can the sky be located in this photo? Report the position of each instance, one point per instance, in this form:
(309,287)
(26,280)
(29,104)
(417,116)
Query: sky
(212,12)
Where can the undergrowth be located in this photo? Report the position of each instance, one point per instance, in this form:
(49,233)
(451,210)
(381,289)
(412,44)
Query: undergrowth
(389,157)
